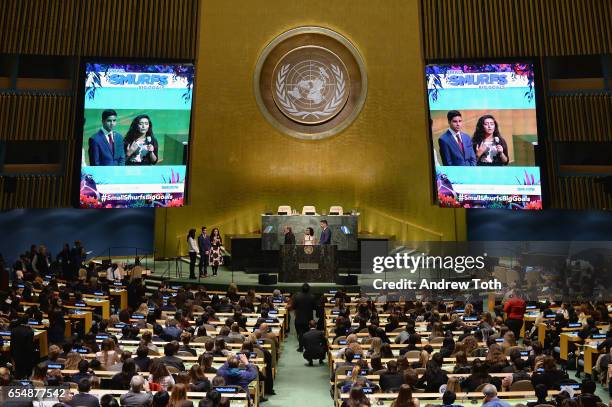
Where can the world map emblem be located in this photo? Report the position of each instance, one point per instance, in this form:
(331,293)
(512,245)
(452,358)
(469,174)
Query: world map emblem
(310,82)
(310,85)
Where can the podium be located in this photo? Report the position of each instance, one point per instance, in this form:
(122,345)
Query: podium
(307,264)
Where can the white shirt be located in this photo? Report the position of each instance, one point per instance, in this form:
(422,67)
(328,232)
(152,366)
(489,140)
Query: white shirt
(308,240)
(193,245)
(106,133)
(455,136)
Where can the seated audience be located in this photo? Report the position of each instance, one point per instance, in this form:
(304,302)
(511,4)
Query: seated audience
(139,394)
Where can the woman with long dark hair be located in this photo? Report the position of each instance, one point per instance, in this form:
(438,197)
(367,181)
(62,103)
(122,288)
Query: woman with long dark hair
(141,147)
(404,398)
(178,397)
(356,398)
(192,244)
(215,258)
(309,238)
(489,146)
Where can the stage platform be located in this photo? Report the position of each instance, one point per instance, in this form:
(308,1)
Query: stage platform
(247,281)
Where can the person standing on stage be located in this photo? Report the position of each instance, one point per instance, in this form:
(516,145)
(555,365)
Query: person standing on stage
(204,246)
(309,239)
(303,304)
(515,308)
(289,236)
(193,252)
(326,235)
(215,258)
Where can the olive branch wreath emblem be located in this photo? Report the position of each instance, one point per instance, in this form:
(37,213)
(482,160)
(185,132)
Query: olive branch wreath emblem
(286,102)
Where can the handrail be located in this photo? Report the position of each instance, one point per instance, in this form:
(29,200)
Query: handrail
(144,254)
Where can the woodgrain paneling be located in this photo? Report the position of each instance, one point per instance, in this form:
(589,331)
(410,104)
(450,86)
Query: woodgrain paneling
(36,116)
(586,118)
(130,28)
(506,28)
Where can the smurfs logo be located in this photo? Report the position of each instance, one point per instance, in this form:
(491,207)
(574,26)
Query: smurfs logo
(138,79)
(499,79)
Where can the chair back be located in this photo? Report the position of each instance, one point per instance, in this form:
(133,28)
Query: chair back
(309,210)
(479,388)
(284,210)
(172,369)
(338,339)
(336,210)
(413,354)
(521,385)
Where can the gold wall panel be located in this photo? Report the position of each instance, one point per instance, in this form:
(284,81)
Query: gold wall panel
(241,166)
(502,28)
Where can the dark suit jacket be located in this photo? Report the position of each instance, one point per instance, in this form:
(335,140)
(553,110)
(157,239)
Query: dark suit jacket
(85,400)
(22,348)
(315,344)
(326,236)
(304,305)
(203,244)
(289,238)
(451,152)
(100,152)
(391,382)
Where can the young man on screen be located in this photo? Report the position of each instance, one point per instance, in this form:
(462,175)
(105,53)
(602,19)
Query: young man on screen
(456,146)
(106,146)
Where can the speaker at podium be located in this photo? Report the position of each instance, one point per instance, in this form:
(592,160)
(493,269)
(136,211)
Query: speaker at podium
(308,263)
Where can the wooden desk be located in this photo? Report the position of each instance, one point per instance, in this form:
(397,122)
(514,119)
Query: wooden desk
(40,336)
(590,357)
(122,294)
(98,302)
(564,340)
(84,314)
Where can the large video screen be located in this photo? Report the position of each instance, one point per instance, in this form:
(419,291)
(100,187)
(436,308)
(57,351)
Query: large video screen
(135,135)
(484,134)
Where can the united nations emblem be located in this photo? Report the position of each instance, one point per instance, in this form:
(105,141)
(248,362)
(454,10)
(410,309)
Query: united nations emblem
(310,83)
(308,249)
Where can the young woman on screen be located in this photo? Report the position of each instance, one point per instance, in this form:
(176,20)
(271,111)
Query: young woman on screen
(140,144)
(489,146)
(215,258)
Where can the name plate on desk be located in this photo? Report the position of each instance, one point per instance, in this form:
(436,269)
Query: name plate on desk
(315,265)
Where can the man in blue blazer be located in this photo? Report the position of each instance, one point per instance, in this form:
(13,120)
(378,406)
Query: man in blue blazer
(204,246)
(106,146)
(456,146)
(326,234)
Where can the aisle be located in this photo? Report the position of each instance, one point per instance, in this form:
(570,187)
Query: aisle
(298,385)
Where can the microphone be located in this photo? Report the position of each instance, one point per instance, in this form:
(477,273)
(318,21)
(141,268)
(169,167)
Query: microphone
(496,140)
(148,139)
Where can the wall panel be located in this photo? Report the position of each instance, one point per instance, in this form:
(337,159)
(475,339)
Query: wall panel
(585,118)
(516,28)
(136,28)
(36,116)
